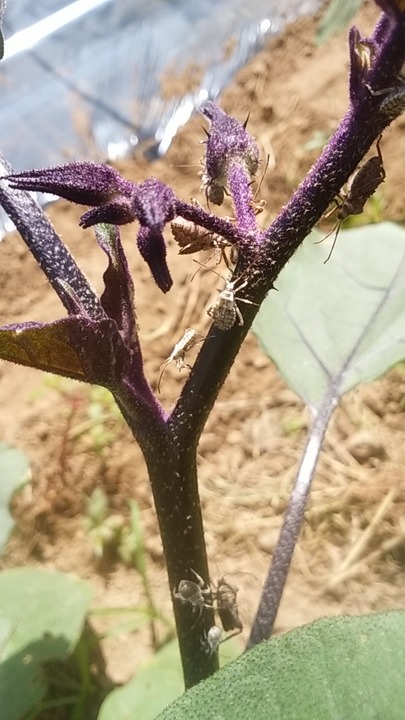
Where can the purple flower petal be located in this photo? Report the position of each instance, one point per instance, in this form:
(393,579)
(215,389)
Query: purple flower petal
(152,247)
(117,212)
(85,183)
(228,142)
(154,204)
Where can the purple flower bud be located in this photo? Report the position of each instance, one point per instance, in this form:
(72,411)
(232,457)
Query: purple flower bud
(115,212)
(154,204)
(117,202)
(85,183)
(152,247)
(228,143)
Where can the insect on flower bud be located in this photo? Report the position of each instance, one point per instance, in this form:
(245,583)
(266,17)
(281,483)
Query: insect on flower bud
(228,142)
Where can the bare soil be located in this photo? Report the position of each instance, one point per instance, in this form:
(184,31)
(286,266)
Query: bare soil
(351,553)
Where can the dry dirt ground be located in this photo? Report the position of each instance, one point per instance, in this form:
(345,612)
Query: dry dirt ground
(351,553)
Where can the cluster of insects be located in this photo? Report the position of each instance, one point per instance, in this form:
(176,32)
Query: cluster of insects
(224,313)
(191,238)
(221,598)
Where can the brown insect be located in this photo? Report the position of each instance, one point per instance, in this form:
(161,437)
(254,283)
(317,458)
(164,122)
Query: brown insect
(394,104)
(361,186)
(258,206)
(227,607)
(192,238)
(215,192)
(213,188)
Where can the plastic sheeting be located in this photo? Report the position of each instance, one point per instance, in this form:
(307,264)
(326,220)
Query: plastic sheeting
(82,79)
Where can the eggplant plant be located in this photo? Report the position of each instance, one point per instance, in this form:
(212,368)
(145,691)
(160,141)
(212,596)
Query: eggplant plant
(98,341)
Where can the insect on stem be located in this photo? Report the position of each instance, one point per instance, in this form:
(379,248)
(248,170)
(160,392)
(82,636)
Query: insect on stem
(192,238)
(212,639)
(225,311)
(227,606)
(393,103)
(189,340)
(360,187)
(194,593)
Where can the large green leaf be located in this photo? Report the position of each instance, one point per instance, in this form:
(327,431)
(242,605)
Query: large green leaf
(333,326)
(156,685)
(14,472)
(42,616)
(336,669)
(336,16)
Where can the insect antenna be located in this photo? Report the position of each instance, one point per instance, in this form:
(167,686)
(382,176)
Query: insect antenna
(204,265)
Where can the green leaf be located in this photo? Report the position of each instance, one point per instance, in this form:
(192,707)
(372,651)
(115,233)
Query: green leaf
(346,668)
(156,685)
(337,15)
(333,326)
(42,616)
(14,472)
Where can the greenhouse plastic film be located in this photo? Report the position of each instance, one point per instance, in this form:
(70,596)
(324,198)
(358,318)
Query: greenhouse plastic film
(82,79)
